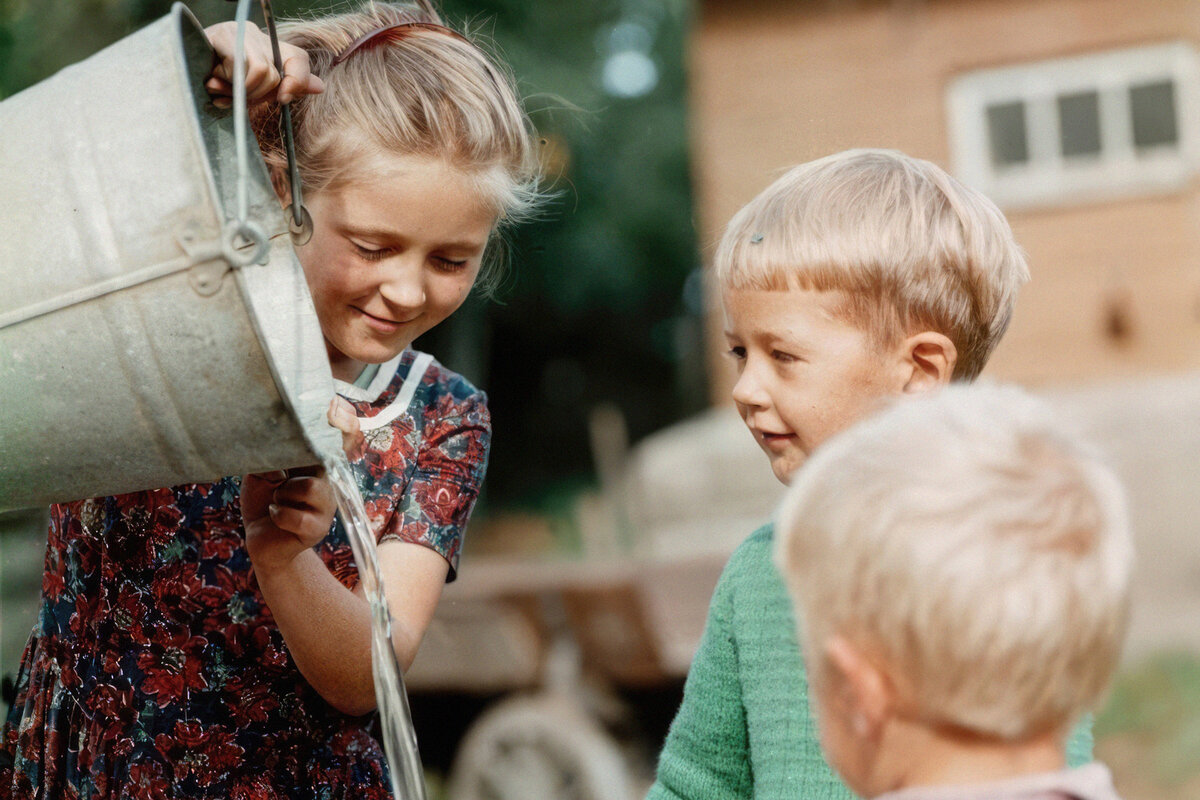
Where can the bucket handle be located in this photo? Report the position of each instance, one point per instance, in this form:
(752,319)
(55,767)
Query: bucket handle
(300,223)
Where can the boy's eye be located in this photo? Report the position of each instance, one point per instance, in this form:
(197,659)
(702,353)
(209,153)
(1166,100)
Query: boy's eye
(737,352)
(785,358)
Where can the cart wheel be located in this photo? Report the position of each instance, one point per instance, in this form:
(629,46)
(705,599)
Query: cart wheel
(543,747)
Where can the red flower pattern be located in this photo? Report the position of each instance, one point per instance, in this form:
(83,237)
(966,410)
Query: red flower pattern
(157,671)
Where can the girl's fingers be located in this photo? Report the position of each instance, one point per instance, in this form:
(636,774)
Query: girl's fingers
(309,526)
(314,85)
(293,520)
(262,78)
(261,75)
(218,86)
(341,416)
(297,74)
(305,492)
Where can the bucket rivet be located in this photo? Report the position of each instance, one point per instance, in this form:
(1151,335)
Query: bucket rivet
(302,233)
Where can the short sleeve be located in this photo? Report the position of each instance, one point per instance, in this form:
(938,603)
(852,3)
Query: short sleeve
(449,471)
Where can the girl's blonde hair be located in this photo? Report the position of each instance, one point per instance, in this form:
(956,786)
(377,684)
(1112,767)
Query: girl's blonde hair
(430,93)
(976,549)
(910,247)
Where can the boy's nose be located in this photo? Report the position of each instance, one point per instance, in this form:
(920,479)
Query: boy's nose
(749,391)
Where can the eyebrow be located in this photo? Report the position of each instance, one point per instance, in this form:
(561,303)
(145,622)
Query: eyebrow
(391,235)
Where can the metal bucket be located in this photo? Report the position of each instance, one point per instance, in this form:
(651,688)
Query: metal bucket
(140,345)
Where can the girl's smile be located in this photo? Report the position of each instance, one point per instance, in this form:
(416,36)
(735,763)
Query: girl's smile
(384,325)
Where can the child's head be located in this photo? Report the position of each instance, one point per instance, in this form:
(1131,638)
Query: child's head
(909,274)
(418,148)
(961,571)
(413,90)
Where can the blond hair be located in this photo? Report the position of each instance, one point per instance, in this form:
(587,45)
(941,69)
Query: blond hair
(431,93)
(909,246)
(982,554)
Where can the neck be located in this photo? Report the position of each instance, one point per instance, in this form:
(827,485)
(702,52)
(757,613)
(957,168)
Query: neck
(343,367)
(924,756)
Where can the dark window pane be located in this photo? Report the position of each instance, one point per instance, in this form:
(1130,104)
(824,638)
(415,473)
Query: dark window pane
(1079,123)
(1153,108)
(1006,133)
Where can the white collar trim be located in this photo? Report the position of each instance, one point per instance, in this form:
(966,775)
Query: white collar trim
(378,384)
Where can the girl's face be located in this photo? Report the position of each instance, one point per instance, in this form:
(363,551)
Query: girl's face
(392,256)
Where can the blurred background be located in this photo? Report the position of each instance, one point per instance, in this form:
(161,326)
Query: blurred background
(620,479)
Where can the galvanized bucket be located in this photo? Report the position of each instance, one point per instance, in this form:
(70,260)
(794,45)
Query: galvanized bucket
(146,339)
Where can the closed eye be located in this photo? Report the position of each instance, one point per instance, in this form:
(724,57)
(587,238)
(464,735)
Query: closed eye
(449,264)
(371,254)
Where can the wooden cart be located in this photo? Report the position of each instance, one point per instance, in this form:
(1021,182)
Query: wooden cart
(556,637)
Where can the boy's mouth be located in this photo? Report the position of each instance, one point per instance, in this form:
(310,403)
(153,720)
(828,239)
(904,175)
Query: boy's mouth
(774,440)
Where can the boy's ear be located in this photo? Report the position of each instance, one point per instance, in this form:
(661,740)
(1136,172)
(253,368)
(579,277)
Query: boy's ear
(929,358)
(867,694)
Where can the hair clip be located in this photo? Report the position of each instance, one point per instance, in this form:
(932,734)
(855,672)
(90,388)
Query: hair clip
(756,238)
(394,33)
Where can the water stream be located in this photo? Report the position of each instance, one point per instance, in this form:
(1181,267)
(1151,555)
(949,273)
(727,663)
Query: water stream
(399,738)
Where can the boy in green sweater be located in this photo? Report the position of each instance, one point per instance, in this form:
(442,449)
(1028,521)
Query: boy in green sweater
(852,280)
(961,571)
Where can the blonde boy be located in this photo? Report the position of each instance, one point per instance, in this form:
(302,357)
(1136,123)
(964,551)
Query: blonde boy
(851,280)
(961,572)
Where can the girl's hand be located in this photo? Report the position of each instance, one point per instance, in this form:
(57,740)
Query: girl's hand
(261,76)
(285,513)
(341,416)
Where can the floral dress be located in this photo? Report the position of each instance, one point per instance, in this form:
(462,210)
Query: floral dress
(155,669)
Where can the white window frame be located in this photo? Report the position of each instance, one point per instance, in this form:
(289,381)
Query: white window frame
(1048,178)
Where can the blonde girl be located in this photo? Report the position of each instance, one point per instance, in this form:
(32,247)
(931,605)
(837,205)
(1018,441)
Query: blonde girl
(212,640)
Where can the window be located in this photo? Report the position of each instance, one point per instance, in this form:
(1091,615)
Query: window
(1077,129)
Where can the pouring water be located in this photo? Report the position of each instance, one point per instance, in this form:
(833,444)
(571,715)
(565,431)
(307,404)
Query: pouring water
(399,738)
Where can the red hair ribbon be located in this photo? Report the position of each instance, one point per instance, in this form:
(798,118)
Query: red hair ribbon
(394,33)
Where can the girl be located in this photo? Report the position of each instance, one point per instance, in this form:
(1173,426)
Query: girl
(211,640)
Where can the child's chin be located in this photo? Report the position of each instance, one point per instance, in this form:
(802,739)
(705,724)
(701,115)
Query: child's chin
(785,468)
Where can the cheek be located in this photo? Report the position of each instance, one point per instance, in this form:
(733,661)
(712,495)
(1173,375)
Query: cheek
(859,393)
(315,261)
(448,292)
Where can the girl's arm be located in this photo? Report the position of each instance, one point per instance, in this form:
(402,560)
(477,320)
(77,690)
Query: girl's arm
(327,627)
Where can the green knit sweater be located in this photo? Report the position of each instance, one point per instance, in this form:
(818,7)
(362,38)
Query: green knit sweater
(744,729)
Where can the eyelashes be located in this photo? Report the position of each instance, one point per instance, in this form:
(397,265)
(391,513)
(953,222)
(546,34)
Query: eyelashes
(367,254)
(449,264)
(440,263)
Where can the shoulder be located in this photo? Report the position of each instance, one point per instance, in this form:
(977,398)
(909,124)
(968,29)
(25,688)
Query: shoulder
(751,588)
(444,384)
(450,401)
(749,570)
(754,553)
